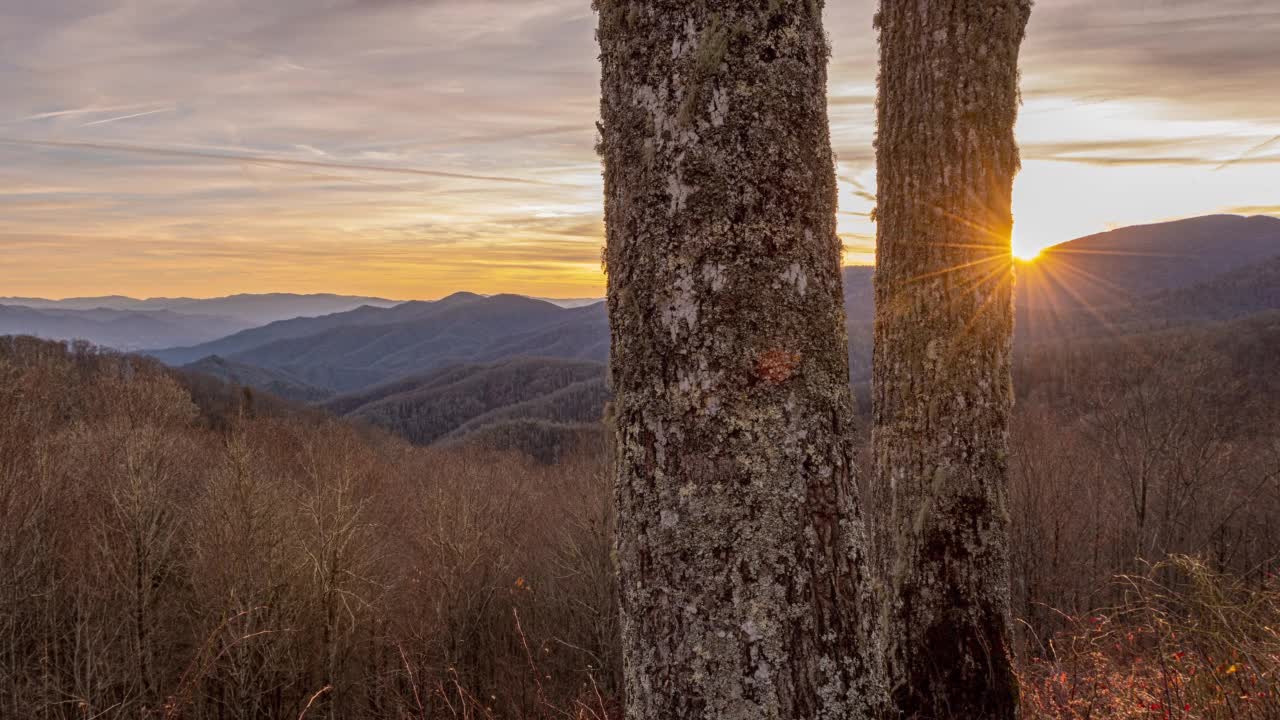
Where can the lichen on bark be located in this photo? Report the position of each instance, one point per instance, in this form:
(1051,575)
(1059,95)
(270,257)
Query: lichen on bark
(946,158)
(741,550)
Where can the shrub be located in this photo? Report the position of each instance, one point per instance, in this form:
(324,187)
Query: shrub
(1186,643)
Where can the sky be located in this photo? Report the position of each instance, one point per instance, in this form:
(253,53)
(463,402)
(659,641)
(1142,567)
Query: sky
(414,148)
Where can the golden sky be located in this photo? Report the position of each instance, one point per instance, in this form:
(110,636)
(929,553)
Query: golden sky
(413,148)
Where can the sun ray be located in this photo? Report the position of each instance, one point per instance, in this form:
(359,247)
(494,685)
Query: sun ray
(955,268)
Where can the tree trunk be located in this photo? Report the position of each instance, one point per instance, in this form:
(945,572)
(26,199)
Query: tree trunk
(946,159)
(740,547)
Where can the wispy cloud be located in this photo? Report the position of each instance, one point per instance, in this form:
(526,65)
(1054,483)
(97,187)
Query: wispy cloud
(261,159)
(414,147)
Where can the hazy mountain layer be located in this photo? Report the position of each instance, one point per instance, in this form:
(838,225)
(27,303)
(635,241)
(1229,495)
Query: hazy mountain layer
(363,347)
(249,309)
(120,329)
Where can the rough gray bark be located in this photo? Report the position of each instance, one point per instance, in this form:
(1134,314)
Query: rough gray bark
(946,159)
(740,547)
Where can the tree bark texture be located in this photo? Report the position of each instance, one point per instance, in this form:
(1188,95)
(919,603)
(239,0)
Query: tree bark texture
(741,551)
(946,159)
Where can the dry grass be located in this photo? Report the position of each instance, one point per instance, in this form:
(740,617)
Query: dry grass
(1187,643)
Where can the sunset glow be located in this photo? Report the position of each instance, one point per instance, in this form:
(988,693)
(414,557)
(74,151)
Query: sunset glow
(1025,251)
(213,148)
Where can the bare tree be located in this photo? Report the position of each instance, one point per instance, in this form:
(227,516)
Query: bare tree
(340,548)
(946,159)
(740,545)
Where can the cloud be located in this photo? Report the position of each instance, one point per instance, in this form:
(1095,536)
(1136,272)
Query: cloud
(406,147)
(1205,151)
(1253,210)
(1207,59)
(261,159)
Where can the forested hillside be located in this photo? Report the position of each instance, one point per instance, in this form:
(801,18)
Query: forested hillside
(1131,277)
(1133,448)
(461,399)
(276,382)
(367,346)
(176,549)
(1134,262)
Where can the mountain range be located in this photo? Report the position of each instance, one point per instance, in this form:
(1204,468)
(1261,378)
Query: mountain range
(348,351)
(435,371)
(126,323)
(1215,267)
(132,324)
(246,308)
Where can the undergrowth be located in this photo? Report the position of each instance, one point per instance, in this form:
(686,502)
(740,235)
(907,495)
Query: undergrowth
(1186,643)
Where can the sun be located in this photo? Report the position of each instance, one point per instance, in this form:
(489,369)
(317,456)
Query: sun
(1026,249)
(1026,254)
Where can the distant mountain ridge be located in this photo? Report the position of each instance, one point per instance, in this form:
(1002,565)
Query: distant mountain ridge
(571,302)
(1140,260)
(1132,275)
(251,309)
(120,329)
(181,322)
(347,351)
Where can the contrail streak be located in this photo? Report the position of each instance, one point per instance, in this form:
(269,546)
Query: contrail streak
(1251,151)
(91,110)
(126,117)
